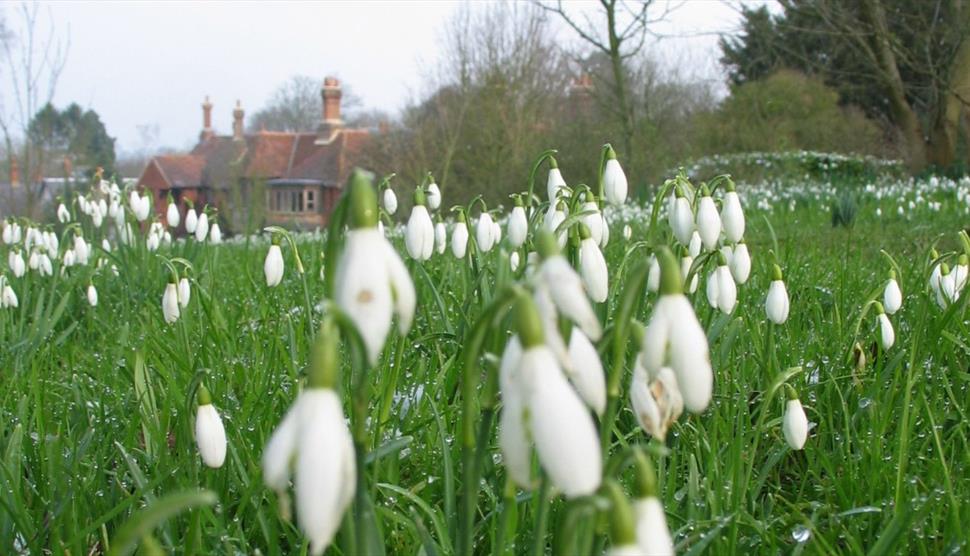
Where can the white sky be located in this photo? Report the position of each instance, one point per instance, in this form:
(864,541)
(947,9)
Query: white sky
(139,63)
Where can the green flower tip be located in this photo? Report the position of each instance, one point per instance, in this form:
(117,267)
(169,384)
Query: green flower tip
(324,357)
(776,272)
(202,396)
(963,260)
(610,153)
(546,244)
(721,259)
(622,523)
(553,163)
(517,200)
(790,392)
(729,185)
(419,196)
(584,232)
(561,206)
(944,269)
(934,254)
(646,483)
(363,200)
(276,239)
(671,282)
(892,274)
(879,308)
(460,217)
(528,325)
(705,192)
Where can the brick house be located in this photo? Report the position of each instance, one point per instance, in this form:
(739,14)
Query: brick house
(297,177)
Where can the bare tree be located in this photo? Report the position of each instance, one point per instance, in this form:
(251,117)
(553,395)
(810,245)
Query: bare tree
(33,60)
(619,36)
(296,105)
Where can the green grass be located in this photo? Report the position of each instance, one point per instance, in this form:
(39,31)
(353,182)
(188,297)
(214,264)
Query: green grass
(90,437)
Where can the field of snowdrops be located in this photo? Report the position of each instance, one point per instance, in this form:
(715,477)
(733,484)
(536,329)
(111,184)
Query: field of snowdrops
(708,368)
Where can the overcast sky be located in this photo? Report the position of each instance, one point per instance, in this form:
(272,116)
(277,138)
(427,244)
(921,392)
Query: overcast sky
(152,63)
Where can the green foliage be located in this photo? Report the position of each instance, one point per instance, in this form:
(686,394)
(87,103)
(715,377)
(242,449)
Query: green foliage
(787,111)
(76,133)
(795,166)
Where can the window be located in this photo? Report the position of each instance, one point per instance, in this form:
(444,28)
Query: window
(287,200)
(310,201)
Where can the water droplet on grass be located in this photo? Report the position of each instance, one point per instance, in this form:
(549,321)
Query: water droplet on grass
(801,534)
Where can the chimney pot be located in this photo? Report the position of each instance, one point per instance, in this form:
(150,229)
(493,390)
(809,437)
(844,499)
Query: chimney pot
(207,130)
(331,123)
(237,122)
(14,172)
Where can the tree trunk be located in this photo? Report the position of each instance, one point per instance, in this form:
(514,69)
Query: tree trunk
(941,148)
(902,113)
(619,80)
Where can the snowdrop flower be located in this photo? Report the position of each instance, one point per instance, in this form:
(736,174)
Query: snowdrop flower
(184,292)
(496,233)
(656,403)
(722,292)
(592,266)
(892,296)
(564,288)
(82,251)
(273,265)
(708,221)
(627,232)
(540,404)
(8,297)
(210,435)
(586,371)
(313,442)
(153,241)
(623,533)
(652,533)
(681,218)
(434,196)
(686,261)
(390,201)
(944,286)
(46,268)
(614,180)
(887,336)
(674,338)
(372,282)
(484,234)
(694,249)
(732,215)
(440,238)
(794,423)
(191,221)
(593,221)
(740,263)
(215,234)
(140,205)
(554,181)
(170,303)
(653,275)
(106,245)
(514,261)
(63,216)
(92,294)
(518,224)
(202,227)
(15,260)
(9,227)
(172,215)
(459,237)
(605,238)
(553,218)
(960,272)
(776,304)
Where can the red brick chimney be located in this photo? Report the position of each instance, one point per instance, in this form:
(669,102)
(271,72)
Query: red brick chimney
(68,167)
(331,124)
(14,172)
(207,130)
(237,122)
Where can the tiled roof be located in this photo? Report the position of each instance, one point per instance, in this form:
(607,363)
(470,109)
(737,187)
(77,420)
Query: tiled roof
(181,170)
(218,159)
